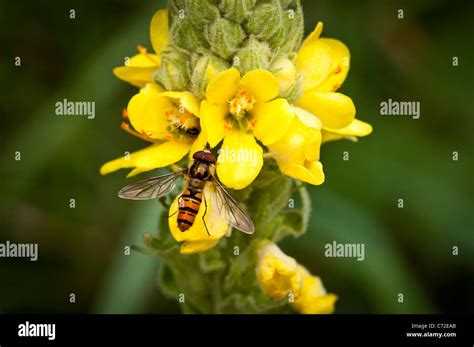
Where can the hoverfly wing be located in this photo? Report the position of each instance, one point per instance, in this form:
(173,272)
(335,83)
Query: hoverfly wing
(231,209)
(151,188)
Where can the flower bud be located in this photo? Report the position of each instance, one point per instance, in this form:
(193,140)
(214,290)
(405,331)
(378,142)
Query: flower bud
(265,20)
(172,74)
(237,10)
(176,9)
(290,85)
(224,37)
(290,34)
(202,69)
(255,54)
(184,35)
(201,12)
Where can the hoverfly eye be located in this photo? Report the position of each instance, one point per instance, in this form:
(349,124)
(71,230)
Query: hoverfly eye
(198,155)
(210,158)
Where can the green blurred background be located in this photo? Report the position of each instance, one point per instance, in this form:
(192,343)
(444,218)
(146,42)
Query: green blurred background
(81,250)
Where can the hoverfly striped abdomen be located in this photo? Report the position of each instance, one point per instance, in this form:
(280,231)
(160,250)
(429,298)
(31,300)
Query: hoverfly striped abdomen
(189,204)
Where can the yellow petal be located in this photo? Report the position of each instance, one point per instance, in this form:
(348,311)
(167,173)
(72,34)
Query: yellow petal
(276,272)
(314,62)
(261,84)
(311,172)
(314,36)
(313,298)
(356,128)
(197,238)
(240,160)
(191,247)
(188,100)
(307,118)
(223,87)
(137,76)
(159,33)
(335,110)
(321,305)
(272,120)
(300,143)
(127,161)
(213,121)
(144,59)
(146,111)
(116,164)
(140,69)
(162,155)
(340,66)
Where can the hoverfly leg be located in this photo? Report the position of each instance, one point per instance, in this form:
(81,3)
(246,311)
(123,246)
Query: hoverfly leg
(204,215)
(171,215)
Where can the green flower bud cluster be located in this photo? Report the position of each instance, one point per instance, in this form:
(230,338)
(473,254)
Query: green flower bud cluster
(209,36)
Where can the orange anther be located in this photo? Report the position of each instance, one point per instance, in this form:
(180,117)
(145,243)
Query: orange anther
(124,113)
(338,69)
(141,49)
(145,133)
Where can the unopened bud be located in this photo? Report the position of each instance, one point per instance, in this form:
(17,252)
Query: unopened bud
(201,12)
(237,10)
(172,74)
(265,20)
(290,34)
(224,37)
(202,70)
(184,35)
(290,84)
(255,54)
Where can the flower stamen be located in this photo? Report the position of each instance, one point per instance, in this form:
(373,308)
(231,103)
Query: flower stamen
(182,122)
(126,127)
(241,104)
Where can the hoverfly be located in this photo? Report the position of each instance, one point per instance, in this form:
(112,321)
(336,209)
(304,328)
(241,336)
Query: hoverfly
(200,173)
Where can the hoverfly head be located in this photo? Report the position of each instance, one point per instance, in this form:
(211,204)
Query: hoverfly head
(205,156)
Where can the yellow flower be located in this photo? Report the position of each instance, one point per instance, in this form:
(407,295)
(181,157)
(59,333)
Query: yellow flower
(276,272)
(197,239)
(297,152)
(280,275)
(323,64)
(323,114)
(313,298)
(167,119)
(238,110)
(140,68)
